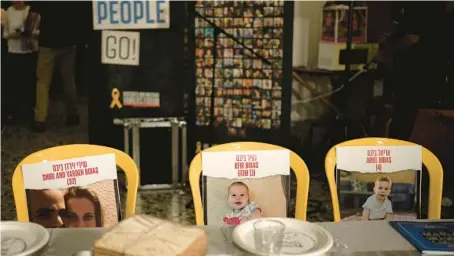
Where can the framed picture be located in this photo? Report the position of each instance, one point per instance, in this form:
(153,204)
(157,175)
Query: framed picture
(376,183)
(72,193)
(247,185)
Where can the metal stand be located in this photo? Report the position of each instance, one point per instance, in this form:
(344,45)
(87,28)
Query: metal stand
(176,124)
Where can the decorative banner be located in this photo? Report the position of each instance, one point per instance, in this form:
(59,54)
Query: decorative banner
(120,47)
(131,14)
(374,159)
(246,164)
(81,171)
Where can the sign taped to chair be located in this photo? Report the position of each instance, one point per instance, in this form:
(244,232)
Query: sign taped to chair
(120,47)
(245,185)
(127,14)
(76,192)
(379,158)
(81,171)
(378,182)
(246,164)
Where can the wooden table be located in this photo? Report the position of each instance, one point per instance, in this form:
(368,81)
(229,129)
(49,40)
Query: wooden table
(361,237)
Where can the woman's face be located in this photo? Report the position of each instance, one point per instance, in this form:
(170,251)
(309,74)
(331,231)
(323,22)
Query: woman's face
(81,213)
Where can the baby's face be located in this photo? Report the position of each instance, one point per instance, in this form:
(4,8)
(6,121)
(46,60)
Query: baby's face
(238,196)
(382,189)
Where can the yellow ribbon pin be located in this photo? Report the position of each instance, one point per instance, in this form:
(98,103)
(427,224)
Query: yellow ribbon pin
(115,99)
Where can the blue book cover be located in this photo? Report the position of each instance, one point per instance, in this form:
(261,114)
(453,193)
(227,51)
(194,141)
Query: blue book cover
(428,237)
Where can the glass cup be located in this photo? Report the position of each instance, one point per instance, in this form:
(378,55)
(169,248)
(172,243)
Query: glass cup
(268,236)
(340,249)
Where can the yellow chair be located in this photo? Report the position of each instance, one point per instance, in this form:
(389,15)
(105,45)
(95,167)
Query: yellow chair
(431,162)
(296,163)
(123,160)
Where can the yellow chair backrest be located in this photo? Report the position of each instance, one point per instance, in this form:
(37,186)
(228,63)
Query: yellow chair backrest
(123,160)
(296,163)
(431,162)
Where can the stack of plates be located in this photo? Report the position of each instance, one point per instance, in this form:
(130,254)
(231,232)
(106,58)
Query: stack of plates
(301,238)
(22,238)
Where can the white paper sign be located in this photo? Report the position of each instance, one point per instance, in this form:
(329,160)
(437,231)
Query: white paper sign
(141,99)
(66,173)
(373,159)
(246,164)
(120,47)
(128,14)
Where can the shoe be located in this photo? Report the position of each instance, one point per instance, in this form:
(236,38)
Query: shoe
(38,126)
(72,120)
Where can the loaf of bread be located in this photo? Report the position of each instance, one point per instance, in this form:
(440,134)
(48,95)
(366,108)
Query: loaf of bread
(143,235)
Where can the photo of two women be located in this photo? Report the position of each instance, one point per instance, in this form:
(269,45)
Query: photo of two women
(90,206)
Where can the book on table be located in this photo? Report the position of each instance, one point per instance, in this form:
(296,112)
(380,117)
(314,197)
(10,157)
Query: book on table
(434,238)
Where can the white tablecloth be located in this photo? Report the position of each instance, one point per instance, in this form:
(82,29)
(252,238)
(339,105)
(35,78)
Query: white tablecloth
(361,237)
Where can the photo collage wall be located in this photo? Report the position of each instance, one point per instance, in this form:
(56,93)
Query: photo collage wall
(248,92)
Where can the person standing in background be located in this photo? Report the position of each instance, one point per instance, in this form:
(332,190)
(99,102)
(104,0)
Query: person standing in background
(21,32)
(59,35)
(419,63)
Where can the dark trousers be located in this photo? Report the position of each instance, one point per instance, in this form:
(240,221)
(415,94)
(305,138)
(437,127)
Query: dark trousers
(19,89)
(403,119)
(414,89)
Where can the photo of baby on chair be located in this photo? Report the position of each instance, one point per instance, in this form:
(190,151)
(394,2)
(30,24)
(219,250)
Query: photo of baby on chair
(378,206)
(247,185)
(231,202)
(241,207)
(366,196)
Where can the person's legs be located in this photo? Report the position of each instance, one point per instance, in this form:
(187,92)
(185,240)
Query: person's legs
(403,118)
(28,85)
(9,89)
(17,85)
(408,96)
(45,67)
(33,78)
(67,61)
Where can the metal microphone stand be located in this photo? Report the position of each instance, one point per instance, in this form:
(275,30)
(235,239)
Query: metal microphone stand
(340,131)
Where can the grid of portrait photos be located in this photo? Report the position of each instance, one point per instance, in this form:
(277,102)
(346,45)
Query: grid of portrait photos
(248,91)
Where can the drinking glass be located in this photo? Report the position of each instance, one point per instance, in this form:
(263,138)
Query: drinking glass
(268,236)
(340,249)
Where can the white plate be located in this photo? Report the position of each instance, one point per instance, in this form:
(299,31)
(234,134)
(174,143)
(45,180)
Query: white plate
(22,238)
(301,238)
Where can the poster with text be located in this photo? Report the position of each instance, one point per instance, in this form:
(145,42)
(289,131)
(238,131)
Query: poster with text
(243,185)
(127,14)
(379,182)
(77,192)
